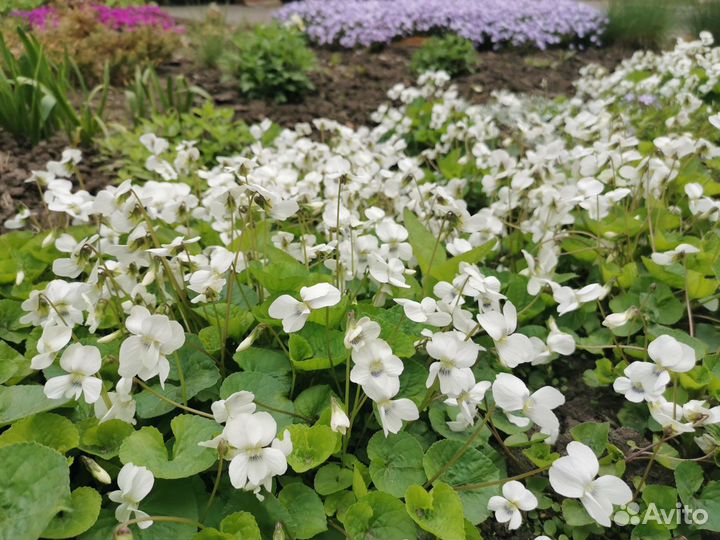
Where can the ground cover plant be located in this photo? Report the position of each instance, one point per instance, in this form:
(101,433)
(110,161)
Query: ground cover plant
(490,23)
(381,332)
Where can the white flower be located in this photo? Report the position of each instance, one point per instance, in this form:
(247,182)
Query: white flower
(154,337)
(569,299)
(135,484)
(425,311)
(540,273)
(467,401)
(394,238)
(455,356)
(256,455)
(392,411)
(236,404)
(515,498)
(668,257)
(559,342)
(339,421)
(513,349)
(391,272)
(643,381)
(574,476)
(54,338)
(360,332)
(80,362)
(375,365)
(295,313)
(671,354)
(697,412)
(122,405)
(616,320)
(669,415)
(512,396)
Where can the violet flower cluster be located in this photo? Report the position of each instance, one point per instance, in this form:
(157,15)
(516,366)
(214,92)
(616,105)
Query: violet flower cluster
(127,18)
(489,23)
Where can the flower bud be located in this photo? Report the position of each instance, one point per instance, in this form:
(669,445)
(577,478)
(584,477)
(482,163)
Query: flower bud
(123,533)
(250,339)
(110,337)
(98,473)
(339,421)
(279,532)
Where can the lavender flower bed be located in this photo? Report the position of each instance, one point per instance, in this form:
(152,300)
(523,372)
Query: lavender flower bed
(127,18)
(493,23)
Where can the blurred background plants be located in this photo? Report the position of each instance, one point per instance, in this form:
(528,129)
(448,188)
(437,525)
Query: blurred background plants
(451,53)
(270,62)
(704,15)
(149,95)
(640,23)
(35,96)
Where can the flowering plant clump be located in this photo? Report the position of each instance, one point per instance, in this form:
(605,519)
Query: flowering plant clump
(488,23)
(96,36)
(399,331)
(117,18)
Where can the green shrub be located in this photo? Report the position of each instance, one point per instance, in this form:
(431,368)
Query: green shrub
(451,53)
(705,15)
(271,62)
(210,39)
(8,6)
(639,23)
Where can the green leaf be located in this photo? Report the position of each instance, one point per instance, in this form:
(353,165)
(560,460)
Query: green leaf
(79,517)
(473,467)
(199,373)
(316,348)
(400,332)
(313,401)
(306,508)
(11,362)
(332,478)
(439,512)
(312,446)
(147,448)
(48,429)
(378,515)
(269,390)
(35,485)
(104,440)
(21,401)
(10,327)
(267,512)
(447,270)
(575,514)
(395,462)
(688,479)
(241,525)
(179,498)
(593,435)
(264,360)
(426,247)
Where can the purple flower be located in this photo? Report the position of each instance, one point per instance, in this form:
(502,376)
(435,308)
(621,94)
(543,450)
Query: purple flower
(492,23)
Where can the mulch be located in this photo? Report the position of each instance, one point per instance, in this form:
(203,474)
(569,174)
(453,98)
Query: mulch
(349,86)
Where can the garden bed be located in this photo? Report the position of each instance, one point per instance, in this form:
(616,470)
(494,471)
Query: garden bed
(349,87)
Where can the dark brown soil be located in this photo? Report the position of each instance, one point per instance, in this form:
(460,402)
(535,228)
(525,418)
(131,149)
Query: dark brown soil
(349,86)
(17,161)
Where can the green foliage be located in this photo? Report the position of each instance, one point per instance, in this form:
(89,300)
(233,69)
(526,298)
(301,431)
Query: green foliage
(270,62)
(451,53)
(147,96)
(35,96)
(35,486)
(639,23)
(704,15)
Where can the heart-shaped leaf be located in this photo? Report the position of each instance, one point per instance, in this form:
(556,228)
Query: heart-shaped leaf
(439,512)
(147,448)
(79,517)
(395,462)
